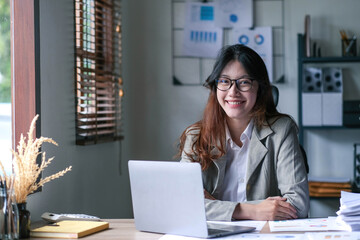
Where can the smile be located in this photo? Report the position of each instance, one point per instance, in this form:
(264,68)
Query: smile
(235,102)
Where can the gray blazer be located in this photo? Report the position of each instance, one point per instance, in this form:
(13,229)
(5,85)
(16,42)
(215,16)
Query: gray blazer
(275,168)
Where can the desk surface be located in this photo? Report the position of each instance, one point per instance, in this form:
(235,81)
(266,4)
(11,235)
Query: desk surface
(125,229)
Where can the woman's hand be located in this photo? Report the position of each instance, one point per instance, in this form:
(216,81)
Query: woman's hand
(208,195)
(273,208)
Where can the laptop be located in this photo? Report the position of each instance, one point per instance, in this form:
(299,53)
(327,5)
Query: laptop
(168,197)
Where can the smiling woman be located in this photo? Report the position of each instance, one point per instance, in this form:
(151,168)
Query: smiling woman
(5,84)
(252,164)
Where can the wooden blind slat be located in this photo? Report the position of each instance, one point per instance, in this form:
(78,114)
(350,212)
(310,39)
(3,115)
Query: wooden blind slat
(97,77)
(97,71)
(95,84)
(96,133)
(95,126)
(96,99)
(98,112)
(90,119)
(97,105)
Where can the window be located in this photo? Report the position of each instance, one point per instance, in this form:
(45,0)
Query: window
(98,75)
(5,85)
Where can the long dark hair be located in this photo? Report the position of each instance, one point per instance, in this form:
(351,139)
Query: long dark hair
(211,129)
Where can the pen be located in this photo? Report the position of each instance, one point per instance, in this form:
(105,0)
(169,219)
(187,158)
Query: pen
(350,44)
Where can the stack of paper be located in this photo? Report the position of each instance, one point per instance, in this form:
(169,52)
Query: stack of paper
(349,212)
(328,187)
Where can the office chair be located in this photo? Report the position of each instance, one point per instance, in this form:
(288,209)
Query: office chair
(275,93)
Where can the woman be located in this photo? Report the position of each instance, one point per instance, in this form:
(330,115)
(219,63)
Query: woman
(252,164)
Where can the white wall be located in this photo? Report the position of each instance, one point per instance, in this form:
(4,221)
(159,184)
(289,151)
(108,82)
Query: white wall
(155,111)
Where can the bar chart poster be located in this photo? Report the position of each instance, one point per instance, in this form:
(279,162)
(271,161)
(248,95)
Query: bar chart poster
(260,40)
(201,37)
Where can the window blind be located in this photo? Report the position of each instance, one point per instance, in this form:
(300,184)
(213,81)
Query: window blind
(99,85)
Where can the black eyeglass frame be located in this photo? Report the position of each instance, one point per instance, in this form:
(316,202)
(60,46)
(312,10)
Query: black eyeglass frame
(236,83)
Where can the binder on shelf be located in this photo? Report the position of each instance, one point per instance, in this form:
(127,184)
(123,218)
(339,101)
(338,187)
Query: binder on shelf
(311,97)
(357,167)
(332,97)
(307,36)
(351,115)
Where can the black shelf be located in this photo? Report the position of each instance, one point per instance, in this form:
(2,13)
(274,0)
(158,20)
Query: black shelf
(302,60)
(324,127)
(329,59)
(330,127)
(325,198)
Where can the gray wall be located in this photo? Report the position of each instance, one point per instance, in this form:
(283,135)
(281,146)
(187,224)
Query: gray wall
(155,111)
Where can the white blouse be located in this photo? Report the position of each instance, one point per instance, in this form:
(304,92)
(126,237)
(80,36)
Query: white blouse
(236,164)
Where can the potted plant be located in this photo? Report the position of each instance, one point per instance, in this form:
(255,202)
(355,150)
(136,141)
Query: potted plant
(26,177)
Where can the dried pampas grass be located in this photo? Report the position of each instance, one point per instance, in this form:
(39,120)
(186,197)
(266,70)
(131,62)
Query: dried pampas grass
(26,169)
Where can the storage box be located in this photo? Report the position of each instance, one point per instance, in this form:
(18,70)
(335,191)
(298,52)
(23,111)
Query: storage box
(332,114)
(311,109)
(311,97)
(332,97)
(312,80)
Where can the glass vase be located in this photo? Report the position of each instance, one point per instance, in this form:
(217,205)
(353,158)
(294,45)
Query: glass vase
(24,221)
(9,216)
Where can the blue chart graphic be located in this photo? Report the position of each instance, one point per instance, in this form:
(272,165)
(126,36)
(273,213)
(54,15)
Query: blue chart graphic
(243,39)
(259,39)
(207,13)
(233,18)
(203,36)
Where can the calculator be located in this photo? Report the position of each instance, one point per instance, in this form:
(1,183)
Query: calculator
(53,217)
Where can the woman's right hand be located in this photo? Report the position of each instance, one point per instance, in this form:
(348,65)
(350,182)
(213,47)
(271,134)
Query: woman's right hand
(208,195)
(272,208)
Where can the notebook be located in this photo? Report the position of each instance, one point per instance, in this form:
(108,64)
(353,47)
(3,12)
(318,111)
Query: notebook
(168,197)
(69,229)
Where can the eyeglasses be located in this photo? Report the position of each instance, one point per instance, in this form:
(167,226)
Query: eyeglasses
(244,84)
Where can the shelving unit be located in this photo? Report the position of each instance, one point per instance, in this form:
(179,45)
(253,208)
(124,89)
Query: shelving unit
(302,60)
(330,155)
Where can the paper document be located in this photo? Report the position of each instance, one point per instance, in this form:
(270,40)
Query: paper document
(301,225)
(260,40)
(230,13)
(242,236)
(201,37)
